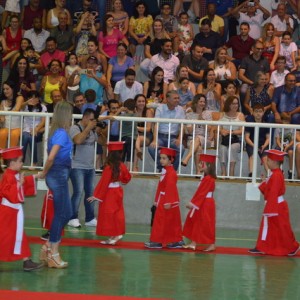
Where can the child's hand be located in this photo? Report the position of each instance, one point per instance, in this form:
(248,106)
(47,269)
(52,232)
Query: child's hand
(263,177)
(167,206)
(189,205)
(91,199)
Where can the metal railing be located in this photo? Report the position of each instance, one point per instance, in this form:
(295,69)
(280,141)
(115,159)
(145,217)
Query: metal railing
(148,166)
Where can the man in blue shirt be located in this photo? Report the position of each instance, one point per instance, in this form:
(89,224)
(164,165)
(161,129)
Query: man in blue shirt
(286,101)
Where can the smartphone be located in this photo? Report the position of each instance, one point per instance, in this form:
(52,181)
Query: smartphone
(83,71)
(251,3)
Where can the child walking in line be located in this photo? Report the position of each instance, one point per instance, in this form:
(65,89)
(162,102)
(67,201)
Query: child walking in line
(14,187)
(166,227)
(200,223)
(275,236)
(111,216)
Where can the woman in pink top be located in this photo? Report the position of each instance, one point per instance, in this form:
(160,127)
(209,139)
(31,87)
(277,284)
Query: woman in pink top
(109,37)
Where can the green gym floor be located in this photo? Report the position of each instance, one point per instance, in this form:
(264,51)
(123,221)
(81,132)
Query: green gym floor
(133,271)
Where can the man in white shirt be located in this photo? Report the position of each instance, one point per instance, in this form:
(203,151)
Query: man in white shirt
(281,21)
(127,88)
(37,35)
(166,60)
(255,16)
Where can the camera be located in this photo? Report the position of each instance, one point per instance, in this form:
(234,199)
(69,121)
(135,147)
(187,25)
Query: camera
(101,124)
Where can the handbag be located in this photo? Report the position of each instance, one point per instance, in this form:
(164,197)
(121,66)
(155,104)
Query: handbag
(234,139)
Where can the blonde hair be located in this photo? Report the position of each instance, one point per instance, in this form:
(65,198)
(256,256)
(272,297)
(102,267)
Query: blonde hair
(217,61)
(62,116)
(164,33)
(264,31)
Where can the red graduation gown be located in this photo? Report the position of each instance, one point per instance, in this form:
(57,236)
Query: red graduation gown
(13,241)
(111,216)
(167,222)
(200,223)
(275,236)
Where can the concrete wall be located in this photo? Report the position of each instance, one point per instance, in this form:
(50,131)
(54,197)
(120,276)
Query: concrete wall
(233,211)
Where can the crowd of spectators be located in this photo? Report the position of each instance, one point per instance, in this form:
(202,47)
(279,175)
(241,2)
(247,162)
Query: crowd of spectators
(205,60)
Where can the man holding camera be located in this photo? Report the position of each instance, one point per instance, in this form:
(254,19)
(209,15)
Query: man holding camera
(82,174)
(255,15)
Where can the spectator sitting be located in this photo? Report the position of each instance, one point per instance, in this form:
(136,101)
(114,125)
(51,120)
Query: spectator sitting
(230,90)
(90,97)
(170,24)
(142,127)
(286,100)
(34,61)
(208,39)
(53,81)
(92,49)
(85,29)
(282,21)
(186,34)
(53,14)
(63,33)
(196,136)
(139,26)
(185,94)
(211,89)
(240,44)
(37,35)
(297,71)
(230,133)
(284,138)
(128,87)
(129,134)
(33,127)
(121,19)
(71,66)
(91,79)
(110,37)
(182,71)
(166,60)
(195,63)
(263,138)
(152,44)
(156,89)
(52,53)
(260,92)
(255,16)
(79,100)
(217,22)
(55,96)
(271,44)
(32,11)
(166,131)
(288,49)
(224,69)
(278,76)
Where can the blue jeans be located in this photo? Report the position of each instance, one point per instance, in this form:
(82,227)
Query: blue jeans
(82,180)
(162,141)
(101,8)
(27,140)
(57,181)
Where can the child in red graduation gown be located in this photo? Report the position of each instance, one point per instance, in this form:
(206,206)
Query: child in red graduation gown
(111,216)
(13,188)
(275,234)
(166,227)
(200,223)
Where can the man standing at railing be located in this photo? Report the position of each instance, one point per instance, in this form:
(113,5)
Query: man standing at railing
(82,172)
(168,134)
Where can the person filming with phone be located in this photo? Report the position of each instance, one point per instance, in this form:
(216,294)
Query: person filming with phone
(90,78)
(255,15)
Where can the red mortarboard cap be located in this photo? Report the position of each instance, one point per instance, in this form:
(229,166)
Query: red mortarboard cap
(276,155)
(115,146)
(168,151)
(11,153)
(207,158)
